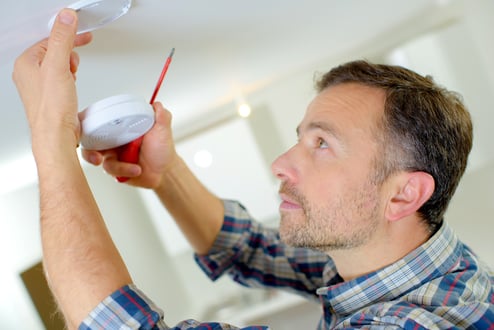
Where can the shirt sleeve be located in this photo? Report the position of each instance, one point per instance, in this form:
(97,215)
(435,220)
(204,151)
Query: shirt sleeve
(126,308)
(129,308)
(254,256)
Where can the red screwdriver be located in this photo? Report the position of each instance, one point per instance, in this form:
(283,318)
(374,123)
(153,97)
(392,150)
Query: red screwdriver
(129,152)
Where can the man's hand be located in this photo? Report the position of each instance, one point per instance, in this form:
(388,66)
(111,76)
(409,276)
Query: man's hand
(45,78)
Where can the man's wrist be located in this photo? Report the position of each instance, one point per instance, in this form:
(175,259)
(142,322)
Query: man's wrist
(52,150)
(173,170)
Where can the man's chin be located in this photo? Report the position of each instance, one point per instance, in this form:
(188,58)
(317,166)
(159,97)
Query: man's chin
(290,240)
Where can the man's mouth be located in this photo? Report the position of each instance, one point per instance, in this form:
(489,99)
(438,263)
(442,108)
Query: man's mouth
(288,203)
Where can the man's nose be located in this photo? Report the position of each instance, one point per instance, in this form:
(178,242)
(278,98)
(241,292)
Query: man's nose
(282,167)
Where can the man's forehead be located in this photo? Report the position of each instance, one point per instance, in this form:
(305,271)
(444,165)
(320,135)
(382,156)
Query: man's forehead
(352,95)
(353,101)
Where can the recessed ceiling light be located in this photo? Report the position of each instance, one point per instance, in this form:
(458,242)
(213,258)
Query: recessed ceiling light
(203,158)
(94,14)
(244,110)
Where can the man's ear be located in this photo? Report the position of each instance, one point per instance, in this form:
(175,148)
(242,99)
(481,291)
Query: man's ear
(411,191)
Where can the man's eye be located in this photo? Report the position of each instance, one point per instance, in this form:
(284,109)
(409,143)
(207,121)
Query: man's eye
(322,144)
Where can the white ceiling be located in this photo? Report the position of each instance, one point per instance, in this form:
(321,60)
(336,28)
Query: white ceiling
(224,48)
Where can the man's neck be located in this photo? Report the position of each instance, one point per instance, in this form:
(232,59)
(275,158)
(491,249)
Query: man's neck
(387,246)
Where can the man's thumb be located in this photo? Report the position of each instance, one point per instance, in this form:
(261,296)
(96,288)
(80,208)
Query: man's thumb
(62,36)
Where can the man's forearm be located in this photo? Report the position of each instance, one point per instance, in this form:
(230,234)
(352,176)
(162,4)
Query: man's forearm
(197,211)
(82,264)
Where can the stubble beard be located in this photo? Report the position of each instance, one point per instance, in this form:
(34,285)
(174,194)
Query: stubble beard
(332,227)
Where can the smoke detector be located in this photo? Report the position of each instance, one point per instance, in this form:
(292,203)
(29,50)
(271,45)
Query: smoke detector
(115,121)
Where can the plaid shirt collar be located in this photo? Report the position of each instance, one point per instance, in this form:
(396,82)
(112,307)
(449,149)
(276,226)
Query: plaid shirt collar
(430,260)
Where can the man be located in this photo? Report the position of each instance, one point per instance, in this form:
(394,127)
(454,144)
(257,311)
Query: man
(364,191)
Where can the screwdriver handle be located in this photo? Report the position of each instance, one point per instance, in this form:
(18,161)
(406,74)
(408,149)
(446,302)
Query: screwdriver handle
(129,153)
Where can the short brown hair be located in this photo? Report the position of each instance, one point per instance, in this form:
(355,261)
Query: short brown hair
(425,127)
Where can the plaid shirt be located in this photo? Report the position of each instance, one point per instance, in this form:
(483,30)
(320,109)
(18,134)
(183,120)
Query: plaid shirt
(439,285)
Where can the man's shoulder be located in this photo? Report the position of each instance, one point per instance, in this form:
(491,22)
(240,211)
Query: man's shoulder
(428,313)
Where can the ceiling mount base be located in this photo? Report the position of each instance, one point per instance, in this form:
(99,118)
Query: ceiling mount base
(94,14)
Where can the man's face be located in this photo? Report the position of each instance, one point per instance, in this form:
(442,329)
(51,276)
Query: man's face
(329,199)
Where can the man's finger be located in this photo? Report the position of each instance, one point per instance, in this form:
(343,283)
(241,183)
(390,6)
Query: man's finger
(83,39)
(74,62)
(92,157)
(61,41)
